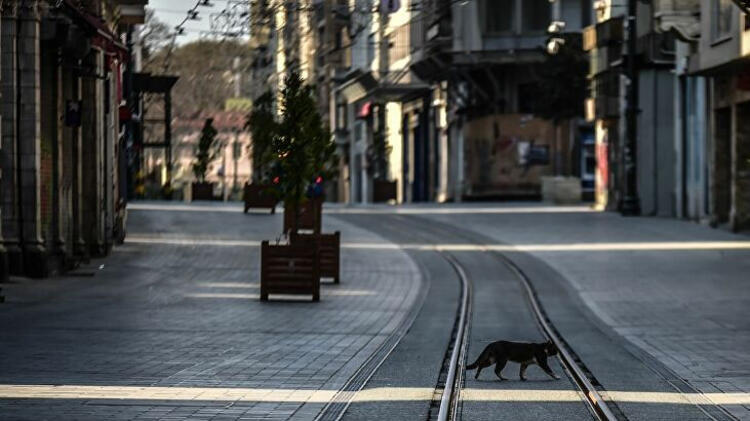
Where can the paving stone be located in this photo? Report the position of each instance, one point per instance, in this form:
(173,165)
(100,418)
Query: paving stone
(188,316)
(685,307)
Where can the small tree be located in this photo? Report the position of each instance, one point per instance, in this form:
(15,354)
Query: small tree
(561,87)
(298,147)
(262,126)
(206,152)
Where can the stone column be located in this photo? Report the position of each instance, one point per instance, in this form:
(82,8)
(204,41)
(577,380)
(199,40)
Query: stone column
(78,203)
(3,253)
(29,111)
(8,196)
(92,140)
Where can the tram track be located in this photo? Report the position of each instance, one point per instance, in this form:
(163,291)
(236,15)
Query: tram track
(447,403)
(450,400)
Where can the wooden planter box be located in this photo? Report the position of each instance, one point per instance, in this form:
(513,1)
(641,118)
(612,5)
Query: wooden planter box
(289,269)
(384,191)
(257,196)
(310,216)
(203,191)
(329,246)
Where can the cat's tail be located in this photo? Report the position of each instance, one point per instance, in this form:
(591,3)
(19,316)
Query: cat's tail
(475,364)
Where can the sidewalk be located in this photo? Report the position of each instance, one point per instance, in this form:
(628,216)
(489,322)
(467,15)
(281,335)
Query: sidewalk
(169,331)
(678,290)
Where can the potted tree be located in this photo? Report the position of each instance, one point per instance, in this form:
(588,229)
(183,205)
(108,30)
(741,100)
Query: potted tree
(298,152)
(203,190)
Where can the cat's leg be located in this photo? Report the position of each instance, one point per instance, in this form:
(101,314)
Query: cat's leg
(499,368)
(522,374)
(543,364)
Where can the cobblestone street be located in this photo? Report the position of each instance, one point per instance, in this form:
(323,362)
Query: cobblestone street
(171,327)
(114,341)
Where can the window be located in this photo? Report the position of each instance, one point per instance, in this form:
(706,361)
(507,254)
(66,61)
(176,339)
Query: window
(499,15)
(536,15)
(721,22)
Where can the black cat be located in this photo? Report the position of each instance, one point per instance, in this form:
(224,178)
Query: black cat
(501,352)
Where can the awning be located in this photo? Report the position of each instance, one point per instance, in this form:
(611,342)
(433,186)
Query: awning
(356,85)
(146,82)
(400,92)
(102,36)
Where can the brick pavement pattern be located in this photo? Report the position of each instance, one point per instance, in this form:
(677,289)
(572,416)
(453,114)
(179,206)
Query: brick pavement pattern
(176,331)
(685,304)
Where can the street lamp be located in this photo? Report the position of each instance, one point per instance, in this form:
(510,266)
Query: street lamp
(236,151)
(630,204)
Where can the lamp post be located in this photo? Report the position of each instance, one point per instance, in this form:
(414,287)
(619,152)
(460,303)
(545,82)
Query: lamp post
(630,204)
(235,156)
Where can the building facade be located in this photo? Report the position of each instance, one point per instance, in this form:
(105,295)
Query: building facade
(723,57)
(482,60)
(62,66)
(692,61)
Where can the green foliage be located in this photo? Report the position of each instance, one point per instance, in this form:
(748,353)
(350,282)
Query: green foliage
(561,86)
(297,147)
(261,123)
(205,153)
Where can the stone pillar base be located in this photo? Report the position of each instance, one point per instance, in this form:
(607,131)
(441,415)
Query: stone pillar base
(36,262)
(15,260)
(4,269)
(98,250)
(81,252)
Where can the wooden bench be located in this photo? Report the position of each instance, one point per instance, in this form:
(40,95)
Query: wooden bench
(258,196)
(310,216)
(289,269)
(329,248)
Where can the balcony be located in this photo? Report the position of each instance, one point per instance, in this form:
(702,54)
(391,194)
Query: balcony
(132,12)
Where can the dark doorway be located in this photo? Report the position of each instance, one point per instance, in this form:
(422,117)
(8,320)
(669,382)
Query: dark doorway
(722,183)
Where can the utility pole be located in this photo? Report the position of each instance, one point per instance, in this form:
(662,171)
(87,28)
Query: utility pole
(224,170)
(235,156)
(630,204)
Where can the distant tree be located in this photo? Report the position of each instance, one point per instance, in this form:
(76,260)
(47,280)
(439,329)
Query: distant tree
(561,86)
(560,90)
(154,36)
(206,71)
(205,153)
